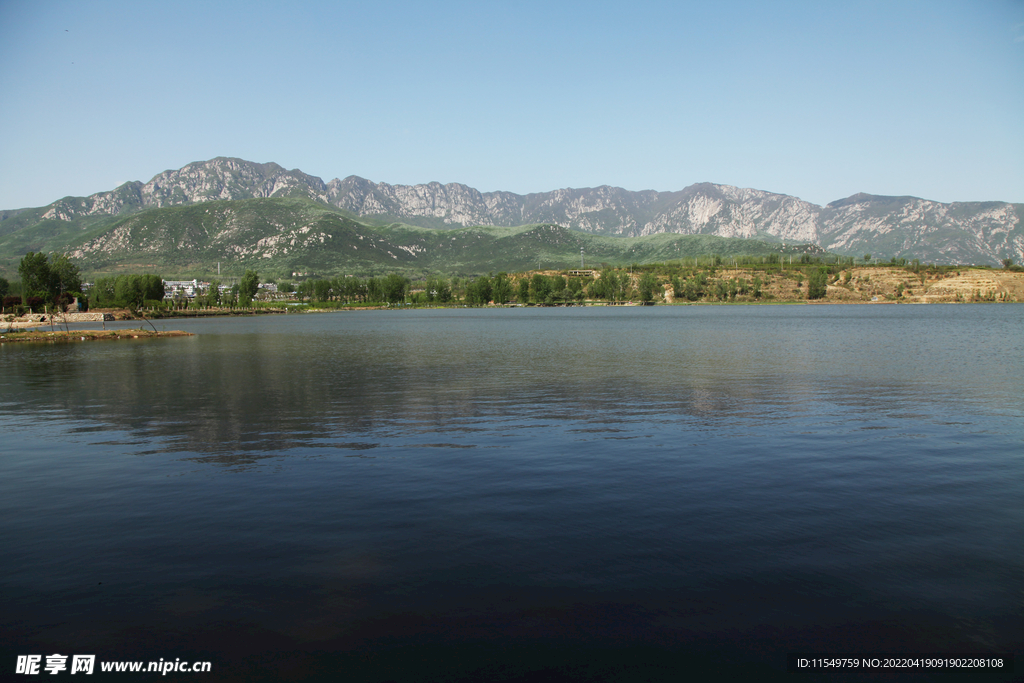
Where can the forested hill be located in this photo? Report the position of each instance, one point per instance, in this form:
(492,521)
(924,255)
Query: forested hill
(281,236)
(909,227)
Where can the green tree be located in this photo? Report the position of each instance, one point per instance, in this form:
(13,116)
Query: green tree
(721,290)
(103,290)
(648,287)
(248,286)
(501,288)
(129,291)
(817,283)
(540,288)
(36,278)
(609,286)
(374,290)
(212,296)
(478,292)
(64,276)
(322,290)
(394,288)
(523,290)
(576,288)
(1007,263)
(693,287)
(49,277)
(5,287)
(152,287)
(438,289)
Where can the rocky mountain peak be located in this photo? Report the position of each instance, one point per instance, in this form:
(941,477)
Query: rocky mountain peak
(897,226)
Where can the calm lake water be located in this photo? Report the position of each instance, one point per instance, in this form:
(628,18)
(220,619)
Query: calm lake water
(522,494)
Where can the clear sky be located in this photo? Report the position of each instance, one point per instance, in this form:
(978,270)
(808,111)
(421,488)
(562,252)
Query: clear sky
(816,99)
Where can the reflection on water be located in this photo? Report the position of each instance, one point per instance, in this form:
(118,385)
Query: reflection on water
(543,487)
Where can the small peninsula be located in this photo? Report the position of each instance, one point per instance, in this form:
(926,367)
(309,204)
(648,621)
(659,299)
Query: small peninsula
(38,335)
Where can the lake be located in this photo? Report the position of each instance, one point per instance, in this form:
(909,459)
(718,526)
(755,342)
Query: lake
(526,494)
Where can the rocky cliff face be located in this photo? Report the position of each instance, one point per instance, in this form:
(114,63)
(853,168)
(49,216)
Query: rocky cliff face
(931,231)
(202,181)
(883,226)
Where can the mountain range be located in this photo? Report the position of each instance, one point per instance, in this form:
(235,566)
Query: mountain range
(123,225)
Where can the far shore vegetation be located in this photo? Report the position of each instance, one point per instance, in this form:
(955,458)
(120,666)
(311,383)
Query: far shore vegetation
(52,284)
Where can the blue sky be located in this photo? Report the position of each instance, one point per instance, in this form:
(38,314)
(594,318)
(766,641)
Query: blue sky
(815,99)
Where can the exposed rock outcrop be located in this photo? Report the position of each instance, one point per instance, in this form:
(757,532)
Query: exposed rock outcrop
(977,232)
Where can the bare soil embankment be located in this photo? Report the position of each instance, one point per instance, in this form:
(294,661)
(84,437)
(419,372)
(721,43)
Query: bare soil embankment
(879,284)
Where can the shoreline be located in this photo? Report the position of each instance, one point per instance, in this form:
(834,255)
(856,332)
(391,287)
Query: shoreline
(16,326)
(86,335)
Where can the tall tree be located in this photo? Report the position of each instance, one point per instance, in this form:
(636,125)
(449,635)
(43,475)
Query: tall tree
(36,278)
(394,288)
(501,288)
(523,290)
(322,290)
(49,277)
(374,289)
(478,292)
(610,285)
(248,286)
(64,275)
(103,290)
(540,288)
(130,290)
(212,296)
(152,287)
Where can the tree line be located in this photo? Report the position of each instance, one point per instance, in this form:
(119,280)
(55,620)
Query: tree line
(127,291)
(536,288)
(49,281)
(53,281)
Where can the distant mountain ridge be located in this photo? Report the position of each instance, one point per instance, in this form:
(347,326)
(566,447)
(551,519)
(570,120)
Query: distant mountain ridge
(279,236)
(963,232)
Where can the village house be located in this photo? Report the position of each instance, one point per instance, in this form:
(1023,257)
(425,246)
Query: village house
(188,288)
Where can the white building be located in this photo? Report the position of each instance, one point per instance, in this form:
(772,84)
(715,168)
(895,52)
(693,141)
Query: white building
(189,288)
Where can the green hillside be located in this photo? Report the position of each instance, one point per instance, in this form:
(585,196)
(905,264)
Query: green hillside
(279,236)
